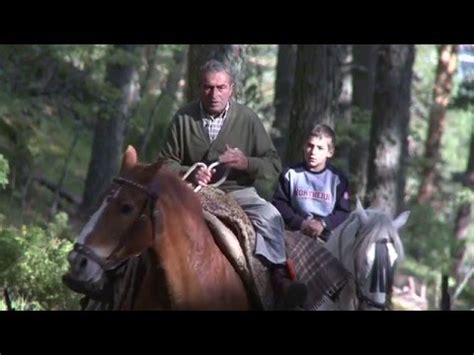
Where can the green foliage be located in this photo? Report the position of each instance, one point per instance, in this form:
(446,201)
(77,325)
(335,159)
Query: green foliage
(19,303)
(38,122)
(465,195)
(10,249)
(151,117)
(258,79)
(349,134)
(428,238)
(33,260)
(456,141)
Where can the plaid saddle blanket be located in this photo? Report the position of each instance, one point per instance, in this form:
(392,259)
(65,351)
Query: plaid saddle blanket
(323,274)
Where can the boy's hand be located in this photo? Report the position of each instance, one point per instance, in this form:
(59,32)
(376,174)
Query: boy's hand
(312,227)
(234,158)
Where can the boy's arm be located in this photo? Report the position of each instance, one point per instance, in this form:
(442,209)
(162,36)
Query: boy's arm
(342,207)
(282,201)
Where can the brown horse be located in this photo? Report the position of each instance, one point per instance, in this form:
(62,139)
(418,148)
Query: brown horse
(151,214)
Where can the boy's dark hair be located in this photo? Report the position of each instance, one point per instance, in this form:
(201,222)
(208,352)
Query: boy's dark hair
(323,130)
(215,66)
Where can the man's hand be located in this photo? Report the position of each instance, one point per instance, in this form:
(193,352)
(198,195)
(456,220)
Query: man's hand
(312,227)
(234,158)
(203,176)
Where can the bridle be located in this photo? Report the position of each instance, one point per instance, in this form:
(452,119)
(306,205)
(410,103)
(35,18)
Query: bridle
(109,264)
(363,299)
(368,301)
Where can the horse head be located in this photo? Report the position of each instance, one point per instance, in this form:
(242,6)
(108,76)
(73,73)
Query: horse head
(152,221)
(124,226)
(368,244)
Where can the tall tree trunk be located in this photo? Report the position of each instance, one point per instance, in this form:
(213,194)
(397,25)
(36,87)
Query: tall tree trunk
(285,76)
(316,92)
(111,125)
(463,218)
(441,95)
(363,81)
(389,131)
(445,303)
(198,54)
(363,74)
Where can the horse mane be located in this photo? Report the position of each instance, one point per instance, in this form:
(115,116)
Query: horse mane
(167,185)
(177,200)
(171,186)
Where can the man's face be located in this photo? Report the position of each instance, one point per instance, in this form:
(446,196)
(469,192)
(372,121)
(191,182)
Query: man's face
(316,152)
(216,89)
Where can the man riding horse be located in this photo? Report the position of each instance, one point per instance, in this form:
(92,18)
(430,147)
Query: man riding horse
(216,128)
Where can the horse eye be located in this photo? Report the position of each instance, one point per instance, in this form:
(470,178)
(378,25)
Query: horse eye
(126,209)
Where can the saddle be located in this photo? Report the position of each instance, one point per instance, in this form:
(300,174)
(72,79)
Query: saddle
(236,237)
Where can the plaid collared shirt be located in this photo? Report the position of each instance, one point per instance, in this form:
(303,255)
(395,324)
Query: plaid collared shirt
(213,124)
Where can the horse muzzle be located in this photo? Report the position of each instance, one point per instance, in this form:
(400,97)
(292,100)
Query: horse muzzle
(99,291)
(86,276)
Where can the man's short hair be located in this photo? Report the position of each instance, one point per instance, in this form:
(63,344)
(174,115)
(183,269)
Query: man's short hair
(215,66)
(323,130)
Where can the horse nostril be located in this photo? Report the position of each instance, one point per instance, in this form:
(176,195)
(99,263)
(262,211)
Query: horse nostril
(83,263)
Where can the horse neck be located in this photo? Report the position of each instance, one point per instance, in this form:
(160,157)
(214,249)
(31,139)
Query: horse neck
(192,261)
(341,245)
(152,290)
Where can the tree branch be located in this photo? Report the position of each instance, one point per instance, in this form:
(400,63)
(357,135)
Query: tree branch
(54,187)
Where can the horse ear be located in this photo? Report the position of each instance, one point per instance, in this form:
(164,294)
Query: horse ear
(361,212)
(129,158)
(400,221)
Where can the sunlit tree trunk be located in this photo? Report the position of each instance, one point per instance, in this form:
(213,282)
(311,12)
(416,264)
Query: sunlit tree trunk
(389,129)
(447,64)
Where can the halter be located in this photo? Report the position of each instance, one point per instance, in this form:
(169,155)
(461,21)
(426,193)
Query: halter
(109,265)
(363,298)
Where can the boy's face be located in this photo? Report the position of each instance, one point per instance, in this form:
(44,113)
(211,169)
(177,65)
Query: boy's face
(316,152)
